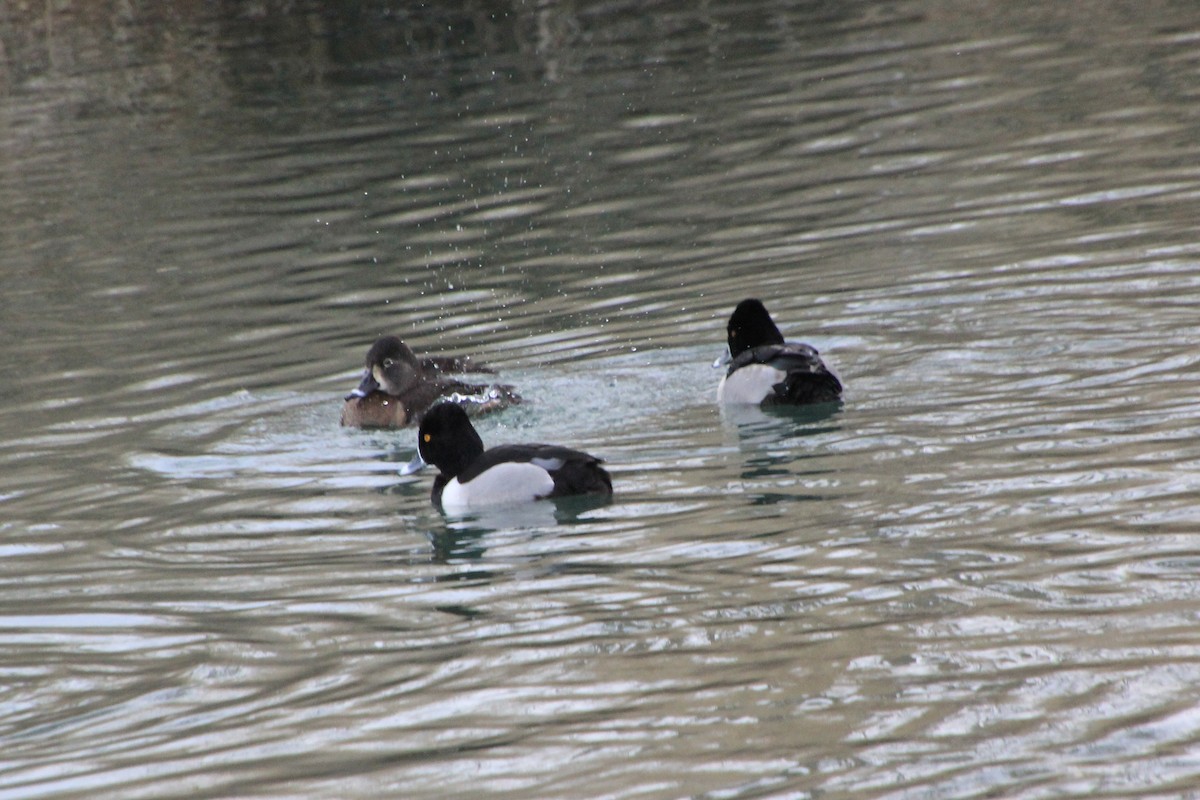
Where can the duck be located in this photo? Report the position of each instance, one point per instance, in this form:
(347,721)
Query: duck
(471,477)
(765,370)
(397,388)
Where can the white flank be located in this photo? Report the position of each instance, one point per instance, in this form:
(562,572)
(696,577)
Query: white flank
(750,384)
(503,484)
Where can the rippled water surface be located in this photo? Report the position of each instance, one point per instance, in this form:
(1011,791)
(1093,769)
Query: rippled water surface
(979,577)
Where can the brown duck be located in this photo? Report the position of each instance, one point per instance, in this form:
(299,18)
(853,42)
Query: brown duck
(397,388)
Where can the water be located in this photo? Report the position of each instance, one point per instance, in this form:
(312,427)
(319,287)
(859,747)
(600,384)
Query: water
(978,577)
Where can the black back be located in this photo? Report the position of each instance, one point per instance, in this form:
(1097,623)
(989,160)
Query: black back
(573,471)
(807,379)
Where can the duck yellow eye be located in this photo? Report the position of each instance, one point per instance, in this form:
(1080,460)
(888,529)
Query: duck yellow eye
(426,437)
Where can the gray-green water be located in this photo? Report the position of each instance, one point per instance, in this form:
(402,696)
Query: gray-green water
(980,578)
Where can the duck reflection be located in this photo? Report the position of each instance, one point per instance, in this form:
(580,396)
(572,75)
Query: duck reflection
(779,456)
(465,536)
(754,425)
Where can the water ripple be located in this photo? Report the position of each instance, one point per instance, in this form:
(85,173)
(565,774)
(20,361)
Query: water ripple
(976,575)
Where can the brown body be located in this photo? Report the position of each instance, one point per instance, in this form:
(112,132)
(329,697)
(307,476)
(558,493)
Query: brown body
(382,410)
